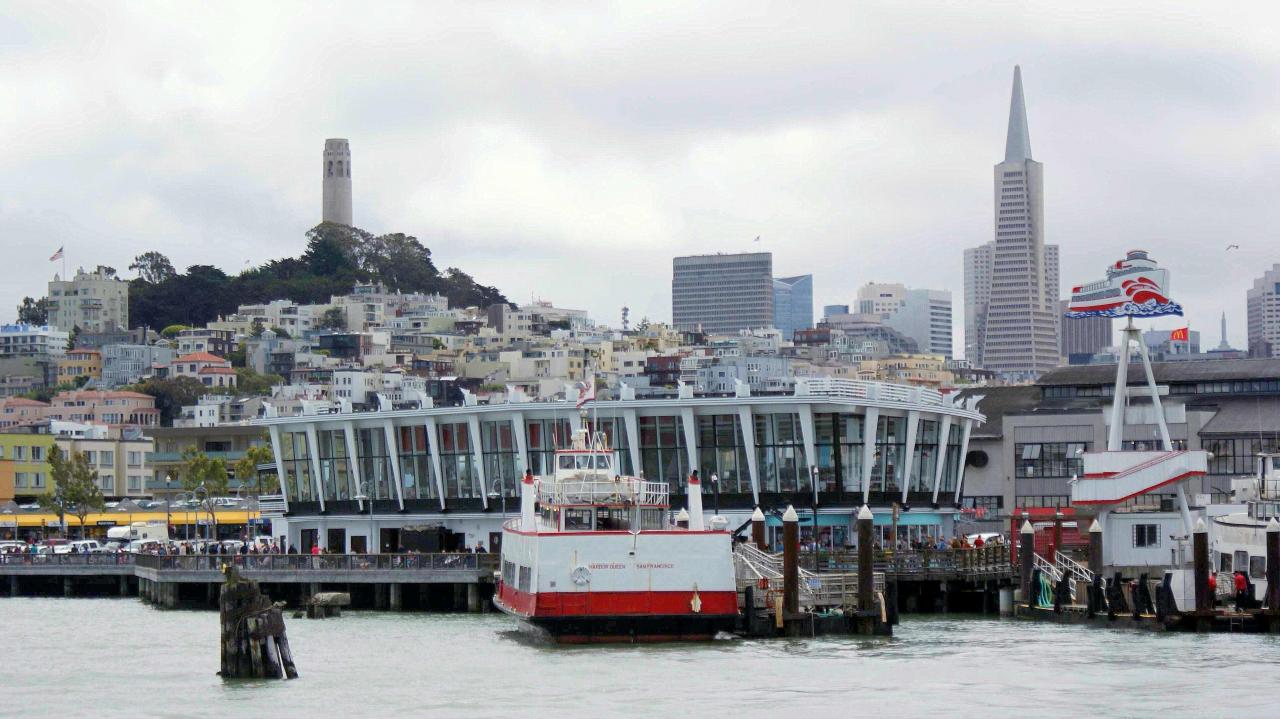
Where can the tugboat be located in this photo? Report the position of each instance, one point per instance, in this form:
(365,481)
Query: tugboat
(1135,286)
(594,558)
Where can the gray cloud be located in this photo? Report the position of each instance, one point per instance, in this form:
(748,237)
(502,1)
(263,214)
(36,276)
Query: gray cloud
(569,151)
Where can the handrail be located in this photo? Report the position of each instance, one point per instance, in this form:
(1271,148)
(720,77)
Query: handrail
(444,561)
(1074,568)
(101,559)
(1144,465)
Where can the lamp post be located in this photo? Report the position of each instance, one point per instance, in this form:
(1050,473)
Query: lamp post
(715,487)
(194,494)
(814,472)
(168,503)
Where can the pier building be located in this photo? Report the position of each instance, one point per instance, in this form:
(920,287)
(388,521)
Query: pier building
(452,473)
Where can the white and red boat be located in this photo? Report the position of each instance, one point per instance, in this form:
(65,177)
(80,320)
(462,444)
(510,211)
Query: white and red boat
(1134,287)
(596,560)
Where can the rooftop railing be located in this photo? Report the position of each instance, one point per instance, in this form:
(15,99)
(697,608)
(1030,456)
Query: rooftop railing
(595,491)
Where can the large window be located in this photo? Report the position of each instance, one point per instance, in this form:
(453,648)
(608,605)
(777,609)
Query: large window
(1238,456)
(720,452)
(1050,459)
(545,436)
(850,436)
(662,451)
(456,460)
(951,461)
(295,458)
(499,450)
(886,470)
(335,472)
(615,433)
(781,451)
(375,463)
(924,465)
(416,475)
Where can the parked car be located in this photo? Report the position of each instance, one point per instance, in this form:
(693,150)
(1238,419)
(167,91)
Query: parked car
(81,546)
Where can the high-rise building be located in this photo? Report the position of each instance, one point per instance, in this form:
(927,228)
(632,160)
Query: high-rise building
(1264,314)
(95,301)
(922,315)
(336,205)
(1084,337)
(829,310)
(1013,280)
(792,304)
(722,293)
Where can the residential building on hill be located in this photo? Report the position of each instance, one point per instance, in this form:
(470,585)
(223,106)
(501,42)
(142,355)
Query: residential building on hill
(95,301)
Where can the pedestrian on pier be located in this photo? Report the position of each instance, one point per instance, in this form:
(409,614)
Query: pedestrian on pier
(1242,588)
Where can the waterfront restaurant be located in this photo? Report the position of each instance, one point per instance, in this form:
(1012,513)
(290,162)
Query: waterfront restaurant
(453,472)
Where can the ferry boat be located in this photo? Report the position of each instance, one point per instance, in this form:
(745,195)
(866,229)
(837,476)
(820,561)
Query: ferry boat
(1134,287)
(594,557)
(1238,541)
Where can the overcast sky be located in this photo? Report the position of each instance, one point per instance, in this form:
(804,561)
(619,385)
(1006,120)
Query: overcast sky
(568,150)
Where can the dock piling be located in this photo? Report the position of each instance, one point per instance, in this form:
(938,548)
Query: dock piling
(1026,558)
(1273,565)
(866,567)
(1200,559)
(1095,547)
(791,561)
(757,530)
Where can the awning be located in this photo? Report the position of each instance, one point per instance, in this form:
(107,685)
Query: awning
(806,520)
(909,519)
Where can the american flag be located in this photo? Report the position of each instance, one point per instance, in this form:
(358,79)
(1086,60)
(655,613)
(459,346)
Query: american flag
(57,255)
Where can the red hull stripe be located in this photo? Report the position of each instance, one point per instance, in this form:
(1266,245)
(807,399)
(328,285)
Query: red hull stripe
(616,604)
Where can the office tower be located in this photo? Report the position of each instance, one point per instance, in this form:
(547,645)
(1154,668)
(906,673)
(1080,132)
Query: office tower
(1012,281)
(922,315)
(1082,338)
(722,293)
(1264,314)
(792,304)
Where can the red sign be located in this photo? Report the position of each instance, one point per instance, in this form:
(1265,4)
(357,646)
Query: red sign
(1180,335)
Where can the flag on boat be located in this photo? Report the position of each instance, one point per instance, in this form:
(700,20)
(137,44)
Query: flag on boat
(57,255)
(588,392)
(1182,334)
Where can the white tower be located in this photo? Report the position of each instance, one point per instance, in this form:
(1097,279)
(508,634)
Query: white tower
(336,206)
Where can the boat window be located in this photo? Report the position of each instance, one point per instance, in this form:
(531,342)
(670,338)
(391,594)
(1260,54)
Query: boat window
(602,461)
(1241,561)
(651,519)
(613,519)
(525,576)
(577,520)
(566,461)
(584,461)
(1258,567)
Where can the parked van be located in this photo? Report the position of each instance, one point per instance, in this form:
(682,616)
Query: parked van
(81,546)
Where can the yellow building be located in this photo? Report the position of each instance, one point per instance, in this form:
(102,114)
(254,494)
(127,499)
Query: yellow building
(80,363)
(24,462)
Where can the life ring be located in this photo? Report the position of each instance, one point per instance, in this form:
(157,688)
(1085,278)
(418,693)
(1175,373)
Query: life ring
(580,575)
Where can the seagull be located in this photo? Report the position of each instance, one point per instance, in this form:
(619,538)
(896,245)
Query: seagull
(1232,247)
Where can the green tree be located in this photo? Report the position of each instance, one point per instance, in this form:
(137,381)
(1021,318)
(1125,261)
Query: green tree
(153,267)
(33,311)
(280,332)
(201,472)
(172,331)
(73,338)
(75,487)
(256,329)
(333,319)
(252,384)
(172,395)
(246,468)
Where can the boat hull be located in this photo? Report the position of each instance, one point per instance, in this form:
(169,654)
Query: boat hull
(621,628)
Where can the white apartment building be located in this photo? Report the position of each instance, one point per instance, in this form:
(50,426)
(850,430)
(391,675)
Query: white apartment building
(922,315)
(95,301)
(118,456)
(24,340)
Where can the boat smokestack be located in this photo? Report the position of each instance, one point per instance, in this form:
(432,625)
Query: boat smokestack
(695,502)
(528,520)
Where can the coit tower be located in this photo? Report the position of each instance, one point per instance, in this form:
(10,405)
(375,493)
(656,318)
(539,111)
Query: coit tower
(337,182)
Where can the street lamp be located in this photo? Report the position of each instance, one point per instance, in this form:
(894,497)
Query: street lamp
(194,494)
(363,496)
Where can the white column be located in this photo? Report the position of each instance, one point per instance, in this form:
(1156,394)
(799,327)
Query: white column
(1155,398)
(633,439)
(870,423)
(313,451)
(353,462)
(393,450)
(913,423)
(964,450)
(747,426)
(807,437)
(274,431)
(433,449)
(521,437)
(944,432)
(477,454)
(1115,434)
(689,424)
(695,504)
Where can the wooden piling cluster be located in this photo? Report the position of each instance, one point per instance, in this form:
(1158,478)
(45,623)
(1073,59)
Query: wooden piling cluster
(254,644)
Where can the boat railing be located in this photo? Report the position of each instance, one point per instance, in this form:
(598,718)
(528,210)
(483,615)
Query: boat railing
(599,490)
(443,561)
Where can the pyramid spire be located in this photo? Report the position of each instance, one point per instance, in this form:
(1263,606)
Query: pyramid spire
(1017,146)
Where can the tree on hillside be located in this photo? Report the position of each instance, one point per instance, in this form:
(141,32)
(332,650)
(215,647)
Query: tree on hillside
(33,311)
(172,394)
(333,319)
(153,267)
(246,468)
(250,383)
(75,488)
(200,472)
